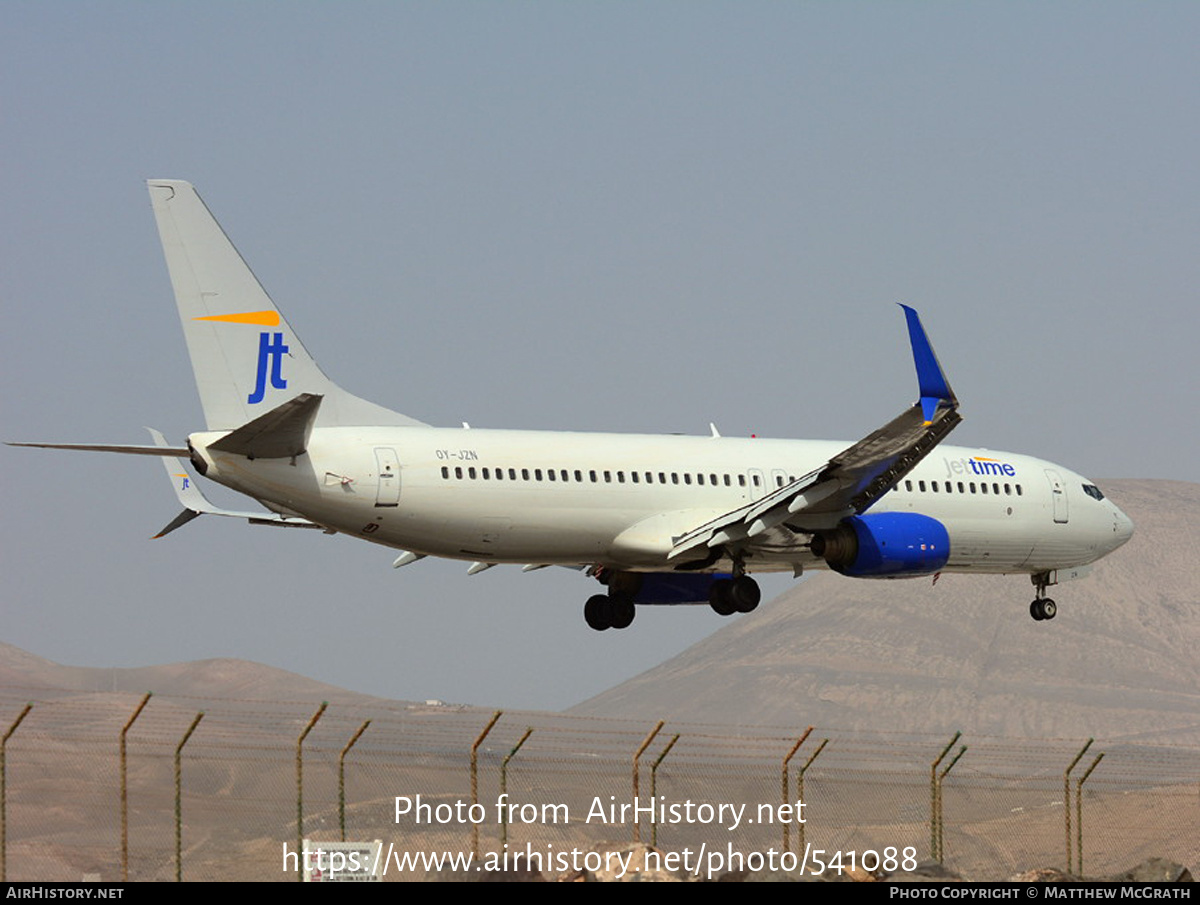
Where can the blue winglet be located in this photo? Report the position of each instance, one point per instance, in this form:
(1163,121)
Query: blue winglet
(934,387)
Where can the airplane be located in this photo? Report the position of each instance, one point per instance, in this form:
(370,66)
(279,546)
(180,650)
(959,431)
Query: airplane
(654,519)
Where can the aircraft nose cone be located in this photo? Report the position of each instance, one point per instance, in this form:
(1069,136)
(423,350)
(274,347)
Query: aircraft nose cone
(1122,527)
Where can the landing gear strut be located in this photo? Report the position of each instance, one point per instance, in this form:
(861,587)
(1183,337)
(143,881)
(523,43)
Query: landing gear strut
(1043,607)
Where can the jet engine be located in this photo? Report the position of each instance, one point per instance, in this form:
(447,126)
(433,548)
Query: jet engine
(884,545)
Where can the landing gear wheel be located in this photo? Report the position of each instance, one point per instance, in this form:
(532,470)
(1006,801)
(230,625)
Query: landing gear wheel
(597,613)
(745,594)
(1043,608)
(622,611)
(720,597)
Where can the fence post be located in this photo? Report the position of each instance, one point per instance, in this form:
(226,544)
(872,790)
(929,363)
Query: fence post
(654,787)
(179,797)
(1079,813)
(637,822)
(783,783)
(1067,798)
(300,790)
(475,778)
(800,784)
(342,778)
(504,783)
(125,795)
(4,794)
(933,797)
(941,823)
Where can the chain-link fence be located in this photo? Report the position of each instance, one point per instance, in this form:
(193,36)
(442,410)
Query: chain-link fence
(987,809)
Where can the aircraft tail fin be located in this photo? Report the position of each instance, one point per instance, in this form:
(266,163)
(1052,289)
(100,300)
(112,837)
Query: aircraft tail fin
(246,357)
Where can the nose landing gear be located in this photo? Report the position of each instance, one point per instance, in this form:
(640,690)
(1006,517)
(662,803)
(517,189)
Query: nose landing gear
(1042,608)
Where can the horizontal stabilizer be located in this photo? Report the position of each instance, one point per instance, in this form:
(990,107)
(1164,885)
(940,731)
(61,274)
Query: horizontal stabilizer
(196,503)
(113,447)
(178,522)
(279,434)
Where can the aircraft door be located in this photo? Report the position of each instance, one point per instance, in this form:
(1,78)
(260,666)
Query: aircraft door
(1058,493)
(388,492)
(757,483)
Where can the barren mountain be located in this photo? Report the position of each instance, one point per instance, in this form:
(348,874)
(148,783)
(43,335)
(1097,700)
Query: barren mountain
(222,678)
(1119,660)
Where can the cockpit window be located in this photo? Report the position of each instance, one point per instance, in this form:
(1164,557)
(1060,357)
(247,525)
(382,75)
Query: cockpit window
(1093,491)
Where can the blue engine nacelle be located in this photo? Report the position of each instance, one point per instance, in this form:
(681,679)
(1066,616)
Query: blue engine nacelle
(885,545)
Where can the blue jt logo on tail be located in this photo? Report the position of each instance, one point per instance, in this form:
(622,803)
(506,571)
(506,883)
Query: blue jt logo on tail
(270,346)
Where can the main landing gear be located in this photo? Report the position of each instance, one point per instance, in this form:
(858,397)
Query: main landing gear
(737,594)
(734,595)
(1043,607)
(605,611)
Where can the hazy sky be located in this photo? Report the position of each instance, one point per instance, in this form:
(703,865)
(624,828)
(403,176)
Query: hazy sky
(590,216)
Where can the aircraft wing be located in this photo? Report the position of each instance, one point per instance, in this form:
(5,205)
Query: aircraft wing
(850,482)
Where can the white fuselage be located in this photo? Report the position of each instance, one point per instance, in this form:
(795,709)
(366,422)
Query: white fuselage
(619,500)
